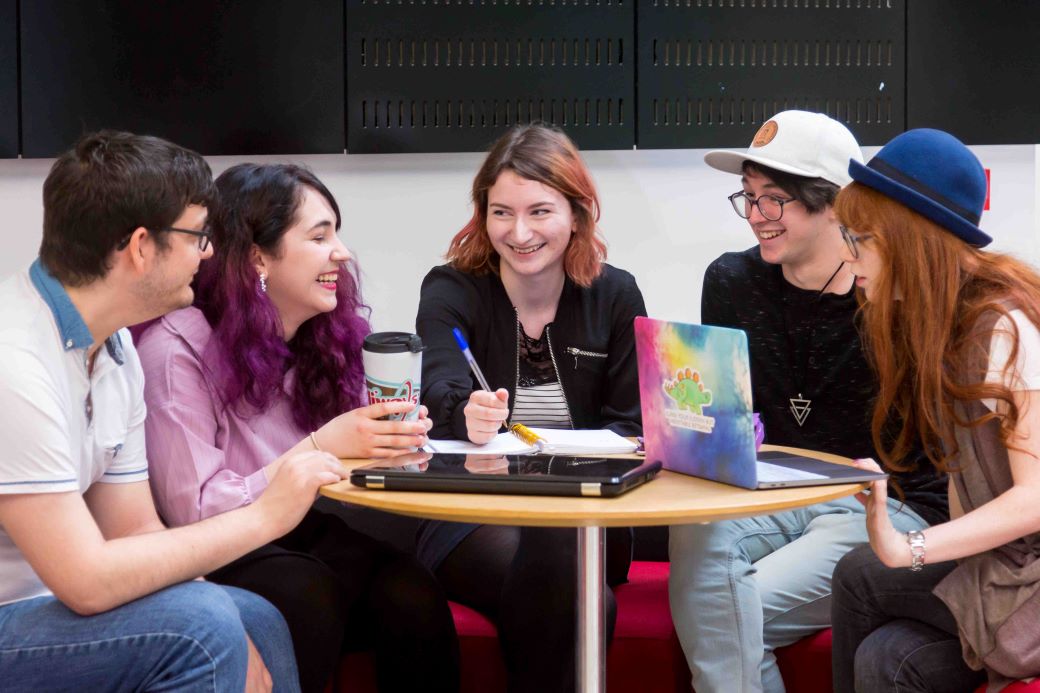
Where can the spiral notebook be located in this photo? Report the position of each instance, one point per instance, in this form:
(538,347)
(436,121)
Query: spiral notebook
(550,441)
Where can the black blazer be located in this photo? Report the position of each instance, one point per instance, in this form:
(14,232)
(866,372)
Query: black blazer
(592,340)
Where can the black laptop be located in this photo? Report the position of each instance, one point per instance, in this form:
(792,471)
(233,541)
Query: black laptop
(535,475)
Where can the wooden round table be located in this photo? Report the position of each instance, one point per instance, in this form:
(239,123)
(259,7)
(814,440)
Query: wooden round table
(670,499)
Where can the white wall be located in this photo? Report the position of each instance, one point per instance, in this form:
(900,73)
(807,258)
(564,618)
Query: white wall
(665,216)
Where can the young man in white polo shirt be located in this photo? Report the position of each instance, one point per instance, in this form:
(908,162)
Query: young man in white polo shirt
(95,594)
(741,588)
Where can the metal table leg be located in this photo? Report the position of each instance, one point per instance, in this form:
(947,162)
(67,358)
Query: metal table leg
(591,661)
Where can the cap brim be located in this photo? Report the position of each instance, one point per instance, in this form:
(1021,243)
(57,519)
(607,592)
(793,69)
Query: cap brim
(952,222)
(733,162)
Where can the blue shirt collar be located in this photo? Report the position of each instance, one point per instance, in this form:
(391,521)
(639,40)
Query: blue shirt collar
(74,332)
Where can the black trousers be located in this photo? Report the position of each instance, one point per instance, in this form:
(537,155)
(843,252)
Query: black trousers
(891,633)
(525,579)
(341,590)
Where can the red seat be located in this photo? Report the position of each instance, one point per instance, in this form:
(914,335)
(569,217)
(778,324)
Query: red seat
(645,656)
(806,665)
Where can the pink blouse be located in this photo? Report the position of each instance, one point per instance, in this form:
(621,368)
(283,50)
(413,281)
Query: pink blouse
(203,459)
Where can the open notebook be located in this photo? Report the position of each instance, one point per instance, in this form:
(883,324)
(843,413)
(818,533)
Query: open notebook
(551,441)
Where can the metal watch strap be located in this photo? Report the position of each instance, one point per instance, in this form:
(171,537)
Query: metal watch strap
(915,538)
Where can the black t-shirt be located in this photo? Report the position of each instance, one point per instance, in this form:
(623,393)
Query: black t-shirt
(805,345)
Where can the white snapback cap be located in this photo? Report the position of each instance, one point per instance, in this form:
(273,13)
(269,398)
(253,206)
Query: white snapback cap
(799,142)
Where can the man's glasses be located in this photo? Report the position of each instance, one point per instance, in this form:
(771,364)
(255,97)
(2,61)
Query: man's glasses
(852,241)
(770,207)
(203,237)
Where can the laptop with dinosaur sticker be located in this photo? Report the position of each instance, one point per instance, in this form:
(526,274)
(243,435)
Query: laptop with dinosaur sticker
(695,392)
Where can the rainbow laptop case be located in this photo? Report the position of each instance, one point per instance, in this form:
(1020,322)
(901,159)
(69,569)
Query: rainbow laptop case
(695,392)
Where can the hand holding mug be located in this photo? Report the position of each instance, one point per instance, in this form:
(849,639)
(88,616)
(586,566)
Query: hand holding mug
(365,432)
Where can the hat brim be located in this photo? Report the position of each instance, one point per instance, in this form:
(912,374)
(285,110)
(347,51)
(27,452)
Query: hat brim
(733,162)
(952,222)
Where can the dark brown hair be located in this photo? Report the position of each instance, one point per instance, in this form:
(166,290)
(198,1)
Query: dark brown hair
(815,194)
(106,186)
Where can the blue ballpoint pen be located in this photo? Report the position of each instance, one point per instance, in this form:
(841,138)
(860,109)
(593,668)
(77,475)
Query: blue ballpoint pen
(469,358)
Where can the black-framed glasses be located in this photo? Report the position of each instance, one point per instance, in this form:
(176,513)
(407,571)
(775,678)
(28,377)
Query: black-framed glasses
(852,241)
(770,207)
(203,237)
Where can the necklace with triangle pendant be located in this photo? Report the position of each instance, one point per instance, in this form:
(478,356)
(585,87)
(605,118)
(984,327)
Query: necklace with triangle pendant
(800,408)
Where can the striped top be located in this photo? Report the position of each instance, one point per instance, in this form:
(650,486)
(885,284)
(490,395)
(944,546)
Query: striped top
(540,400)
(543,406)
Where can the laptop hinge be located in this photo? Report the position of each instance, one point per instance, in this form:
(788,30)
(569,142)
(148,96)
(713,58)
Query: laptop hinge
(591,489)
(375,481)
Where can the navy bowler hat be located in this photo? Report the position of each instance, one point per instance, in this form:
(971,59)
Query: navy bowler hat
(934,174)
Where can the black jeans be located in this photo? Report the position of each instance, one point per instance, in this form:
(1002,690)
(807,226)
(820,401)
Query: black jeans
(339,589)
(525,580)
(891,633)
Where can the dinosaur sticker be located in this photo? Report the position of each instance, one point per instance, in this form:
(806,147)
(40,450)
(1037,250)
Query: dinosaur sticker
(688,391)
(690,396)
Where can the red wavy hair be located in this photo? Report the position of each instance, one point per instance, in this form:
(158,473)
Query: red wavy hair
(921,326)
(544,154)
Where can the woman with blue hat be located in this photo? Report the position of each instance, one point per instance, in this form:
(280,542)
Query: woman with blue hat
(952,331)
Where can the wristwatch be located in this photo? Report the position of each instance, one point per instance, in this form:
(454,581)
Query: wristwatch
(916,540)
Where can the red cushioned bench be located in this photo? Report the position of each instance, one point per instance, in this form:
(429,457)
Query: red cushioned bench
(645,656)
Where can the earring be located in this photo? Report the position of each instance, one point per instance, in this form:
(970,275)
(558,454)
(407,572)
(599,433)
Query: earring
(263,283)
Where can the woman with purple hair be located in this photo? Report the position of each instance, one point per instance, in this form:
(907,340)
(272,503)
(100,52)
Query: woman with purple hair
(267,362)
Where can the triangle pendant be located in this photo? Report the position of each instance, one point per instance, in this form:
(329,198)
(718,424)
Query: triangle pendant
(800,408)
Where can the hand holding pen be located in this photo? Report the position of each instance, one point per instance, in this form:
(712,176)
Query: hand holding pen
(486,411)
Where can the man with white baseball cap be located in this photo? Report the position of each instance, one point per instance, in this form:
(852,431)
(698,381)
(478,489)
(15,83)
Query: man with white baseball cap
(741,588)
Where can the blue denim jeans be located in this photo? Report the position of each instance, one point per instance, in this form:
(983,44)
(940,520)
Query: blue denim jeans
(739,589)
(188,637)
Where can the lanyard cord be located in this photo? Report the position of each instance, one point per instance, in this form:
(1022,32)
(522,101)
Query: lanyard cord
(799,374)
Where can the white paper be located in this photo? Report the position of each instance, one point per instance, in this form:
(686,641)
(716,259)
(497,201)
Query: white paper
(502,444)
(557,442)
(583,441)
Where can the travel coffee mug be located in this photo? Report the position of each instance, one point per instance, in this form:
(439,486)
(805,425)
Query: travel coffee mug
(393,369)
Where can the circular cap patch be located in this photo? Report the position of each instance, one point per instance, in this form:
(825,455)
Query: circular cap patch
(765,134)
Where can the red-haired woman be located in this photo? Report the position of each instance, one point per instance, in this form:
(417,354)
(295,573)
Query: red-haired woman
(551,325)
(954,334)
(266,363)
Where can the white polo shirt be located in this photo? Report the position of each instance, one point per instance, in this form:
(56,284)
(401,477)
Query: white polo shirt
(61,429)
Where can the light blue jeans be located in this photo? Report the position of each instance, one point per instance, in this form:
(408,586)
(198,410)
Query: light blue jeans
(188,637)
(739,589)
